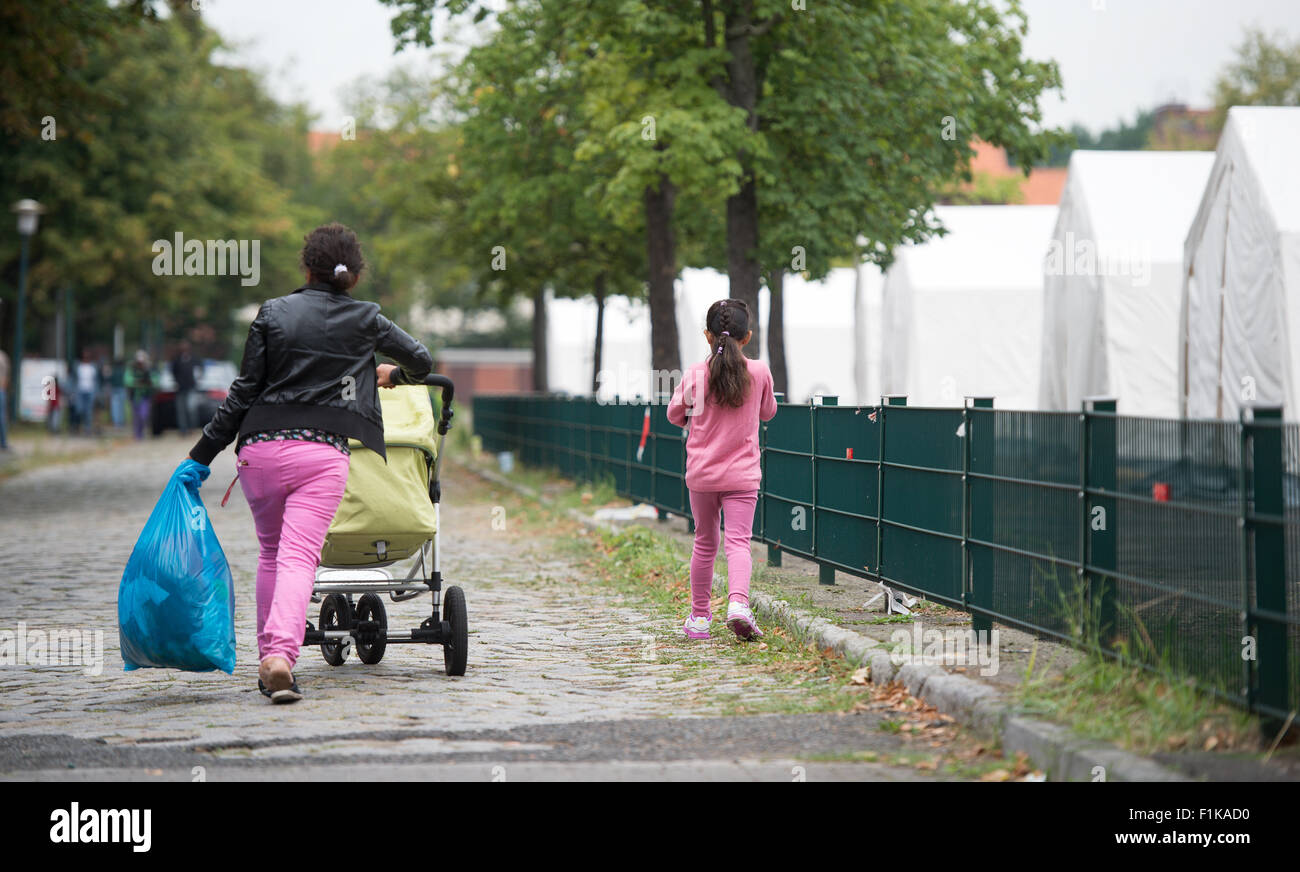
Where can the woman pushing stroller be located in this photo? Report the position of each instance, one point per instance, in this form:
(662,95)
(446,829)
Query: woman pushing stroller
(307,383)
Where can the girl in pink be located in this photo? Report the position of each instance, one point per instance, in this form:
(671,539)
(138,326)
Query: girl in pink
(722,399)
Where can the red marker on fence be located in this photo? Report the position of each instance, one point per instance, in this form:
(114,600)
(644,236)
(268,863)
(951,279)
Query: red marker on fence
(645,434)
(1160,492)
(848,453)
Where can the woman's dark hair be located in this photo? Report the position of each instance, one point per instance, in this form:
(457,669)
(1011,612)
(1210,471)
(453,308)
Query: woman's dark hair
(326,249)
(728,321)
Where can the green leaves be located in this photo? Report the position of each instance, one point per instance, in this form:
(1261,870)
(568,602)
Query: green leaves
(536,167)
(541,143)
(156,139)
(1265,72)
(865,112)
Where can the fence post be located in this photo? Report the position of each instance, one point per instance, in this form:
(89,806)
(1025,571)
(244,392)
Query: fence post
(825,574)
(886,400)
(773,552)
(1265,522)
(588,413)
(976,594)
(1099,518)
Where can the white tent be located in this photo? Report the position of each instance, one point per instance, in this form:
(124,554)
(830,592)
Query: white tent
(963,312)
(1113,279)
(821,355)
(820,351)
(571,343)
(1240,317)
(697,289)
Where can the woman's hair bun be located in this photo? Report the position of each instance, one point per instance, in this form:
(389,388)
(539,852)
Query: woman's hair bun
(332,254)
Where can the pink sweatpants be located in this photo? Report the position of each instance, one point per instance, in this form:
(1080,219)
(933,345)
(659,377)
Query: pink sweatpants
(294,489)
(739,508)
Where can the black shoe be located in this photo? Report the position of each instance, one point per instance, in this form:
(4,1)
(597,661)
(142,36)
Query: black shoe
(293,694)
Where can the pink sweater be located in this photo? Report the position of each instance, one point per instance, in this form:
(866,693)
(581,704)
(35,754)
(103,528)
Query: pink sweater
(722,446)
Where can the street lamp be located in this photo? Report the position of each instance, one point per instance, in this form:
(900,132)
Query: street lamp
(29,217)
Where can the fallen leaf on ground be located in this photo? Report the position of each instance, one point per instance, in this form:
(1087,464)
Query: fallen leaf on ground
(1022,763)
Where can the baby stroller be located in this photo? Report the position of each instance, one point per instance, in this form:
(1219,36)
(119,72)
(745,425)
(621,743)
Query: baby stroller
(389,514)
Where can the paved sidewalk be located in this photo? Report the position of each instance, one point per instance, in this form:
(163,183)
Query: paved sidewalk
(558,671)
(849,618)
(31,448)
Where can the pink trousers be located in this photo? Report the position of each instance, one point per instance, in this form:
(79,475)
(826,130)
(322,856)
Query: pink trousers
(705,509)
(294,489)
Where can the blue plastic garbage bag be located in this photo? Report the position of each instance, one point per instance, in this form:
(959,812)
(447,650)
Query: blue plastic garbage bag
(176,604)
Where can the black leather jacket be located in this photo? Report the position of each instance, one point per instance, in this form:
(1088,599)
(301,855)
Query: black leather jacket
(310,362)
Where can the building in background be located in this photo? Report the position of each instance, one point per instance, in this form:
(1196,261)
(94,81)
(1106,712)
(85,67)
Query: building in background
(484,371)
(1042,187)
(1176,127)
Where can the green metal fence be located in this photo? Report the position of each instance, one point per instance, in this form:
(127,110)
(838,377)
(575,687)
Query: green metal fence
(1174,543)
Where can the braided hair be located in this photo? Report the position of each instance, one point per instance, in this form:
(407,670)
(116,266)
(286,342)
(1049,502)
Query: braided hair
(728,321)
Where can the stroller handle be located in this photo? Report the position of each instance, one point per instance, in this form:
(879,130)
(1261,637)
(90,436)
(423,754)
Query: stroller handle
(434,380)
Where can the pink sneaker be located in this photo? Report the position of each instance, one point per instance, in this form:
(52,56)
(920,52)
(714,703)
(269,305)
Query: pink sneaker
(696,627)
(741,621)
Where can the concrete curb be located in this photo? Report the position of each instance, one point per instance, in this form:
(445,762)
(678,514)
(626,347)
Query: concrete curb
(1049,747)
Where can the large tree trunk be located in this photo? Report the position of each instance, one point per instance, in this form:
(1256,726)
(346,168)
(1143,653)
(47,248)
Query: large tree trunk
(742,255)
(742,207)
(539,339)
(776,331)
(600,333)
(661,251)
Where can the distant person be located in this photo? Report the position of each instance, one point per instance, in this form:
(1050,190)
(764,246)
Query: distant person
(302,392)
(723,399)
(4,401)
(116,381)
(184,368)
(87,386)
(139,384)
(56,395)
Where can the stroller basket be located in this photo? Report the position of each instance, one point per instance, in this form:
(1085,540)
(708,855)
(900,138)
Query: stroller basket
(386,513)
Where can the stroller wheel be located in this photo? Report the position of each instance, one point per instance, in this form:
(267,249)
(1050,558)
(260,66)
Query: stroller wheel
(371,608)
(455,651)
(335,614)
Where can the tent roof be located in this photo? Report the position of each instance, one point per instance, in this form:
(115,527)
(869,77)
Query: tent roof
(1267,136)
(574,320)
(986,248)
(1138,197)
(807,304)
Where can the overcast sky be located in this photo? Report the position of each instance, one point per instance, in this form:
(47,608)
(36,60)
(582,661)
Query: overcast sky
(1116,56)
